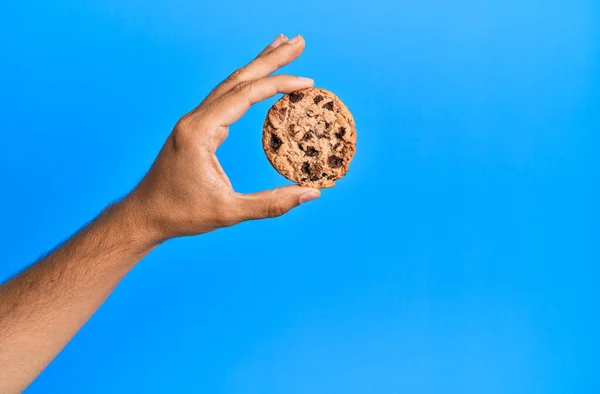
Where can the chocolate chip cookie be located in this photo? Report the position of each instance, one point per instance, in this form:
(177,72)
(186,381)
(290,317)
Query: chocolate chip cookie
(309,137)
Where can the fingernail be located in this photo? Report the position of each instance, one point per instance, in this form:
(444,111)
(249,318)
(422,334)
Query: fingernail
(313,195)
(278,41)
(307,81)
(295,39)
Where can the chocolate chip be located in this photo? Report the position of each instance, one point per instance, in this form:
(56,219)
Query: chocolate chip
(330,177)
(336,145)
(306,168)
(311,151)
(296,96)
(275,142)
(304,179)
(324,174)
(341,132)
(314,178)
(307,136)
(292,131)
(334,161)
(329,106)
(301,147)
(318,99)
(282,113)
(327,125)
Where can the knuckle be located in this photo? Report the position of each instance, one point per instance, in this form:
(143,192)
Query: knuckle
(182,124)
(181,132)
(226,211)
(188,131)
(243,86)
(274,205)
(237,74)
(243,89)
(278,59)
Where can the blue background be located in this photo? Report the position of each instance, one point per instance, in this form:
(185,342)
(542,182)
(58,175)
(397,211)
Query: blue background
(460,254)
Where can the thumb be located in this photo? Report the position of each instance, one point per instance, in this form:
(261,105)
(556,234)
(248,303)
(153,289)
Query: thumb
(276,202)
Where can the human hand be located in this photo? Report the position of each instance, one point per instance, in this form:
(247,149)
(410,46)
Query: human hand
(186,191)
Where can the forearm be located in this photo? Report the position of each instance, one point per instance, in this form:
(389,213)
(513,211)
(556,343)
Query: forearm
(185,192)
(42,308)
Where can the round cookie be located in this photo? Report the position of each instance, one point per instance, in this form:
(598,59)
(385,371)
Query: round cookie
(309,137)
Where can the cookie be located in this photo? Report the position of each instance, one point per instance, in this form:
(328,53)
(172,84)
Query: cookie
(309,137)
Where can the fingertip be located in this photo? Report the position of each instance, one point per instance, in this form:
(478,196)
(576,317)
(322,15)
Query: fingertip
(281,39)
(309,82)
(296,40)
(296,45)
(310,196)
(283,53)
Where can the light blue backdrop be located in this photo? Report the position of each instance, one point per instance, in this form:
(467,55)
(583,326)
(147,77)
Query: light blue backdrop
(460,254)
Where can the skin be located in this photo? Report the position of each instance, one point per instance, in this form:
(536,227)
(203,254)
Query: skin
(185,192)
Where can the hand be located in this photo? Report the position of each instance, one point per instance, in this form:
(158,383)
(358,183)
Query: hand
(186,191)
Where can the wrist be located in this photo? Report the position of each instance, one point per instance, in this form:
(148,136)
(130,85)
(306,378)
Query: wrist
(131,221)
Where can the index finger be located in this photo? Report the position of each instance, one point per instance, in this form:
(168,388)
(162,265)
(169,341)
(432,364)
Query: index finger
(236,102)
